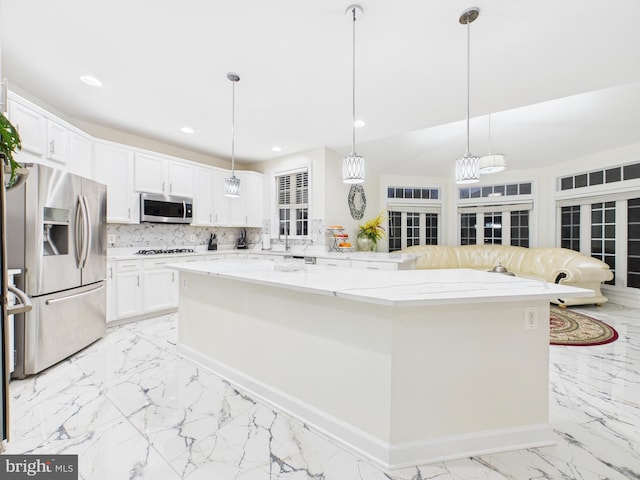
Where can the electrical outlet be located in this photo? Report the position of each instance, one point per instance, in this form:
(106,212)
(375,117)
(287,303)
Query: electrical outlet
(111,239)
(193,239)
(530,318)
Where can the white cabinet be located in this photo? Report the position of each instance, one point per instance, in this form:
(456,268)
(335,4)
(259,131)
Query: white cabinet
(129,291)
(371,265)
(57,143)
(333,262)
(111,290)
(80,156)
(31,126)
(203,196)
(254,201)
(160,175)
(221,204)
(160,285)
(114,168)
(243,211)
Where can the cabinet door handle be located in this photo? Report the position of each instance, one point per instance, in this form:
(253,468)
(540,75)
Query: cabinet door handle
(138,279)
(211,218)
(111,273)
(129,213)
(52,147)
(170,187)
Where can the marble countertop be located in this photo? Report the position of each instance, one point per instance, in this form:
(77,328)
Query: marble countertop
(390,288)
(129,253)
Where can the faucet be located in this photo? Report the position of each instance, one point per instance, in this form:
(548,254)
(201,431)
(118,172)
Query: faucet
(286,239)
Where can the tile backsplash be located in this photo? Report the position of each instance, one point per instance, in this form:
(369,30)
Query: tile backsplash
(174,235)
(177,235)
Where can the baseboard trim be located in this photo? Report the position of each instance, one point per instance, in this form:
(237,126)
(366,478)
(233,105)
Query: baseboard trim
(388,456)
(627,297)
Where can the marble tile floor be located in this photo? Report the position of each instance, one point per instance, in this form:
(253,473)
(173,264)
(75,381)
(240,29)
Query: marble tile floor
(131,408)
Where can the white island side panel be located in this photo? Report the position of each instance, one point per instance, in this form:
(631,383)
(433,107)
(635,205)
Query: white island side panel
(401,384)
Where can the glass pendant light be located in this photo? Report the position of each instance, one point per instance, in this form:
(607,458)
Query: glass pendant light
(353,164)
(468,166)
(492,162)
(232,183)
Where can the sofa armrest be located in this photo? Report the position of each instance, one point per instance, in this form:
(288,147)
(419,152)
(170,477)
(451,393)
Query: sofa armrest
(582,275)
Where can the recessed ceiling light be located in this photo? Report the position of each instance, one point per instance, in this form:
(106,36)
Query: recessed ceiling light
(276,148)
(186,129)
(91,80)
(359,123)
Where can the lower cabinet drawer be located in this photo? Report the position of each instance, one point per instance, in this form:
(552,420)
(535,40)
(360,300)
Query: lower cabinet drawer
(365,265)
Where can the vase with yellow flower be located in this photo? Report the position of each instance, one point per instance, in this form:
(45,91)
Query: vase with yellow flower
(370,233)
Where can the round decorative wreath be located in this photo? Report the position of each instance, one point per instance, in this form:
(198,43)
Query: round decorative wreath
(357,211)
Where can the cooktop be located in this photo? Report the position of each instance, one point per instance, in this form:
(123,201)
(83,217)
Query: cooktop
(165,251)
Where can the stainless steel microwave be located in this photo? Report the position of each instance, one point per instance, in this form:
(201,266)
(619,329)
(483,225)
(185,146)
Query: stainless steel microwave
(165,208)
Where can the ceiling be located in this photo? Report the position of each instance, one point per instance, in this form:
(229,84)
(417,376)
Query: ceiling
(560,79)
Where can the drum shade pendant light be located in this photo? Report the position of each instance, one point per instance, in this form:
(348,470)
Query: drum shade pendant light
(467,166)
(353,164)
(232,183)
(492,162)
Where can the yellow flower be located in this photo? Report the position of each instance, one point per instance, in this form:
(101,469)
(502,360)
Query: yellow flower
(373,229)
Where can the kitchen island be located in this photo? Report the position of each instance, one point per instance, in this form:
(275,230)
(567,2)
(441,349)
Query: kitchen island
(405,367)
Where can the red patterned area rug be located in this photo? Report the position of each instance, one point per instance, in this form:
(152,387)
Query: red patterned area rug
(576,329)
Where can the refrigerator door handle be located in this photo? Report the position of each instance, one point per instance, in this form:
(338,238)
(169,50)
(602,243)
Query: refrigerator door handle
(53,301)
(87,235)
(79,232)
(25,302)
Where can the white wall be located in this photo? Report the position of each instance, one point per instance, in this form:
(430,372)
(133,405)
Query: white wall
(337,207)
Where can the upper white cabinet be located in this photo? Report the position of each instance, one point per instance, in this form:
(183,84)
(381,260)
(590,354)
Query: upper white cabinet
(57,148)
(203,196)
(221,204)
(114,168)
(254,187)
(242,211)
(81,155)
(163,176)
(31,126)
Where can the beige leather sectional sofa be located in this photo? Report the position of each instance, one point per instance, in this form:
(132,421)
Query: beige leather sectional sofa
(555,265)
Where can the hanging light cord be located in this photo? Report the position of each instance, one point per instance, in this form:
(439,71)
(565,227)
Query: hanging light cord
(233,127)
(489,134)
(468,78)
(353,86)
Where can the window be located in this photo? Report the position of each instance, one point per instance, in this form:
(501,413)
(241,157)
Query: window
(599,177)
(431,229)
(408,227)
(395,231)
(293,203)
(520,228)
(570,227)
(603,233)
(493,228)
(468,229)
(633,243)
(501,224)
(413,229)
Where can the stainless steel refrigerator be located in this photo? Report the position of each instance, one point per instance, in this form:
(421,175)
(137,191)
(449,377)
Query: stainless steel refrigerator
(56,234)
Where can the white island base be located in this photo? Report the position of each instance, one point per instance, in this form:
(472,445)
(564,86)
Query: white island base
(405,374)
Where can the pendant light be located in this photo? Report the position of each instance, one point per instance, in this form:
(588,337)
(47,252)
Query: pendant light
(353,164)
(492,162)
(232,183)
(467,166)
